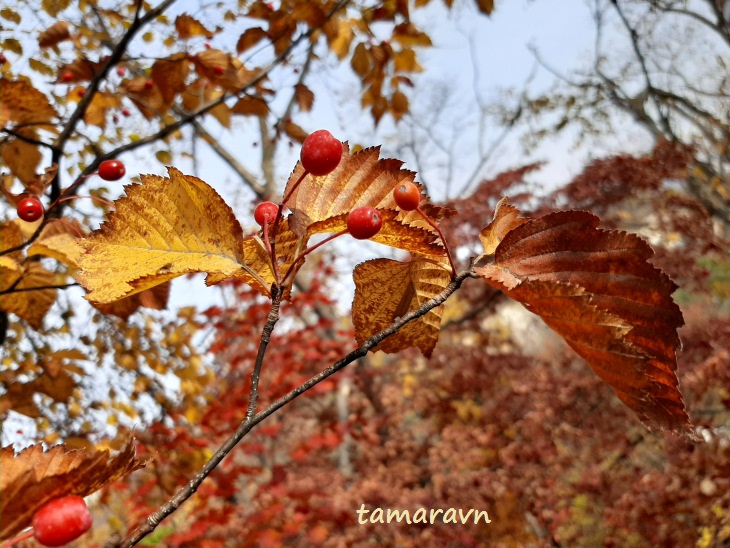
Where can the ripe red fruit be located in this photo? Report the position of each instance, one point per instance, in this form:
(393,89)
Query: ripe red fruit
(67,76)
(219,70)
(149,84)
(364,223)
(407,196)
(120,71)
(111,170)
(30,209)
(3,59)
(321,152)
(265,212)
(125,112)
(61,521)
(80,92)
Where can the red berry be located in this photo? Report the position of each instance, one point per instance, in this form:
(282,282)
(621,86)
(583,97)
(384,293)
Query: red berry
(364,223)
(120,71)
(265,212)
(126,112)
(66,76)
(111,170)
(321,152)
(61,521)
(149,84)
(219,70)
(407,196)
(80,92)
(3,59)
(30,209)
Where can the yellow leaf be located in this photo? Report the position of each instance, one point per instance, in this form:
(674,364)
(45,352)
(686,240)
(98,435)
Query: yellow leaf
(386,290)
(162,229)
(164,157)
(59,240)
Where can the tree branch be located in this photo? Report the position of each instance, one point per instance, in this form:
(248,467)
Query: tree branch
(154,519)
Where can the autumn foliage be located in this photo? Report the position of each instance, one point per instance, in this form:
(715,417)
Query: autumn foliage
(274,416)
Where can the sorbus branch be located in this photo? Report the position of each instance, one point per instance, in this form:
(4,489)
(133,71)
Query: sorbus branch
(251,420)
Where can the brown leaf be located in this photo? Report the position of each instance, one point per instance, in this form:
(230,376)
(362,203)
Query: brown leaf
(485,6)
(81,70)
(187,27)
(146,96)
(409,36)
(386,290)
(34,477)
(250,38)
(22,158)
(506,219)
(170,74)
(596,289)
(25,103)
(304,97)
(55,34)
(154,298)
(31,306)
(250,105)
(294,131)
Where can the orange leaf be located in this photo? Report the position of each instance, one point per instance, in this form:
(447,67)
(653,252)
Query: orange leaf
(506,219)
(54,34)
(294,131)
(34,477)
(596,289)
(170,74)
(21,157)
(81,70)
(386,290)
(100,104)
(485,6)
(250,38)
(154,298)
(188,26)
(250,105)
(26,105)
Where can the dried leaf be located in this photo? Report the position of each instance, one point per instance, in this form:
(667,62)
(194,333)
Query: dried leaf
(154,298)
(34,477)
(54,7)
(304,97)
(386,290)
(53,35)
(188,26)
(596,289)
(170,75)
(485,6)
(162,229)
(22,158)
(409,36)
(250,105)
(250,38)
(294,131)
(81,70)
(25,103)
(506,219)
(31,306)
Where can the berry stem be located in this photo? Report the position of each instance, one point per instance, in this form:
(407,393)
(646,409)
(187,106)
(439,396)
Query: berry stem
(307,251)
(268,242)
(443,240)
(20,538)
(76,196)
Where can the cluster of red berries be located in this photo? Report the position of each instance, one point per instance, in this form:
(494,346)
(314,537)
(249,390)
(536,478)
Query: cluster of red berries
(320,155)
(61,521)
